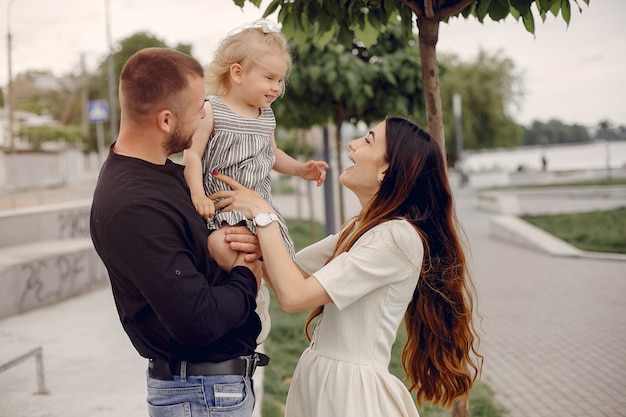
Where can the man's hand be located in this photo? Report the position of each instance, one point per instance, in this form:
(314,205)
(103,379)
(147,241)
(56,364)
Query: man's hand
(255,266)
(241,239)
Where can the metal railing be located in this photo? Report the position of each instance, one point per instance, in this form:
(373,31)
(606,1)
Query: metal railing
(38,354)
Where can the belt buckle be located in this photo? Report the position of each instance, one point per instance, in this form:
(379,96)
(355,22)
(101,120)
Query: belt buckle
(254,360)
(251,363)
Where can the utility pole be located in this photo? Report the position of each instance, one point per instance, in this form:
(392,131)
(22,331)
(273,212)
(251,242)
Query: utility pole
(329,199)
(111,78)
(10,84)
(84,99)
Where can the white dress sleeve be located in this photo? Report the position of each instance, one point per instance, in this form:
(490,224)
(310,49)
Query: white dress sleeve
(314,256)
(388,253)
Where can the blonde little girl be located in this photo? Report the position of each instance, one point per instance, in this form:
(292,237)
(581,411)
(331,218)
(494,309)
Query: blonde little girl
(236,138)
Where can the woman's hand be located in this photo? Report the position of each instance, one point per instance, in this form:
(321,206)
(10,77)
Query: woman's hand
(240,198)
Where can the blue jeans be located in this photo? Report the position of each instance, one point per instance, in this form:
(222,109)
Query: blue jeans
(206,396)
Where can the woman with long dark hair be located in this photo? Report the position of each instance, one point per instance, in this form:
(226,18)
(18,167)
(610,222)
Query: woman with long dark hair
(400,257)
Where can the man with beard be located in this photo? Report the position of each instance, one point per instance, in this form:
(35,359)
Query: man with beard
(192,320)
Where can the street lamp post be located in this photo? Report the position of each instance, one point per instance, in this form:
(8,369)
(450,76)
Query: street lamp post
(10,83)
(112,82)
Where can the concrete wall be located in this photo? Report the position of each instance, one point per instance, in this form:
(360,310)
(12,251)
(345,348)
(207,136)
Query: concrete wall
(46,255)
(31,170)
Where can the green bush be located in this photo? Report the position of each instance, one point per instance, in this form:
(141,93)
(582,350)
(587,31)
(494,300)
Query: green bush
(37,135)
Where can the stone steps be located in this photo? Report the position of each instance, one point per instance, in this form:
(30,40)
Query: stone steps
(46,255)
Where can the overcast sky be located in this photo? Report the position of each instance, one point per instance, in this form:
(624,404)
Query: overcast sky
(575,74)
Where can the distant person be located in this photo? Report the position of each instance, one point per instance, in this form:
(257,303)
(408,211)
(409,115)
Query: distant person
(192,320)
(544,163)
(236,137)
(400,257)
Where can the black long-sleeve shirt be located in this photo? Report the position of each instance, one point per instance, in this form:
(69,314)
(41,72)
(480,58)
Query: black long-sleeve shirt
(173,300)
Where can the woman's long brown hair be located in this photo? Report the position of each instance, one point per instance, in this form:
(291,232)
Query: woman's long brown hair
(440,357)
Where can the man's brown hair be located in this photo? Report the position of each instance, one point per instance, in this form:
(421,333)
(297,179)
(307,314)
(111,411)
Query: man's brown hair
(153,79)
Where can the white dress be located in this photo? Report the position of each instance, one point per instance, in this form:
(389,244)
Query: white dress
(344,372)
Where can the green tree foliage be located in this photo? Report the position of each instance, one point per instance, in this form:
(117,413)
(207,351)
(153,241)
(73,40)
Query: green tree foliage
(330,20)
(98,86)
(555,132)
(489,87)
(330,82)
(38,135)
(606,131)
(290,142)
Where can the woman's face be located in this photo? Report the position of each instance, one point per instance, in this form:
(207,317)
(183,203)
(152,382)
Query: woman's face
(368,155)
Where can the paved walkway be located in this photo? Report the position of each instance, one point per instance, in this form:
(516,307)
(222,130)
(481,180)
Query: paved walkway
(553,336)
(553,328)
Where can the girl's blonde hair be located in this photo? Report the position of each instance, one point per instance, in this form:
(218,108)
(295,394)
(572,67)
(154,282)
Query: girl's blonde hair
(243,46)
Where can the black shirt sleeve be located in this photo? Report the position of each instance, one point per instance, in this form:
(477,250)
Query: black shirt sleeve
(154,254)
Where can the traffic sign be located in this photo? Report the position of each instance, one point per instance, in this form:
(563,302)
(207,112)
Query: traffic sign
(98,111)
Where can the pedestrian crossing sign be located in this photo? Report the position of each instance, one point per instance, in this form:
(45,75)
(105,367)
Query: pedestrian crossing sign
(98,111)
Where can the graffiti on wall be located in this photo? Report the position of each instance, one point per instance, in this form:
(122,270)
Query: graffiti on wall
(50,280)
(74,223)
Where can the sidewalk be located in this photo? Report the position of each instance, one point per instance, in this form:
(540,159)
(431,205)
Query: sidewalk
(553,335)
(553,328)
(90,367)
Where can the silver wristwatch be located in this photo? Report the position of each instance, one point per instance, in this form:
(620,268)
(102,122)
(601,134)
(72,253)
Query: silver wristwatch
(264,218)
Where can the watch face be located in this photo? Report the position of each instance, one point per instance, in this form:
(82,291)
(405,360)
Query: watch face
(262,219)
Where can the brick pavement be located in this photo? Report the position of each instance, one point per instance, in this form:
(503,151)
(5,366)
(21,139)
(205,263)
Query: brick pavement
(553,328)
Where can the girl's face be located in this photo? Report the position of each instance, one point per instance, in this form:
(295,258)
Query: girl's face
(368,155)
(263,81)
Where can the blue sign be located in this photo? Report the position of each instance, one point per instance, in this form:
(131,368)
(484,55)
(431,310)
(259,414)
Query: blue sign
(98,111)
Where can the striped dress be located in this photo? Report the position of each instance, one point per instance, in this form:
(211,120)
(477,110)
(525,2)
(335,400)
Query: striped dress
(240,148)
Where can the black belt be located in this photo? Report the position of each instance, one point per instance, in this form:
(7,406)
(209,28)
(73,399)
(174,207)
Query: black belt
(244,366)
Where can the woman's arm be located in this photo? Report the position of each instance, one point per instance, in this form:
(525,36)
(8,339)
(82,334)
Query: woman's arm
(294,291)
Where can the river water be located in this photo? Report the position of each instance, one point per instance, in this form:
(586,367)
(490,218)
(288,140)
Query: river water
(591,156)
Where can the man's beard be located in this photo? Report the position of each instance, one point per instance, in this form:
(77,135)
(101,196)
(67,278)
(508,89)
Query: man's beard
(177,142)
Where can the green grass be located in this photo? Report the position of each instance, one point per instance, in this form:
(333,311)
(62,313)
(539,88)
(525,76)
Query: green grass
(598,231)
(287,341)
(597,182)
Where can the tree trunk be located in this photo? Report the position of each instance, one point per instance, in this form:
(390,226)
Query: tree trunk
(338,124)
(428,36)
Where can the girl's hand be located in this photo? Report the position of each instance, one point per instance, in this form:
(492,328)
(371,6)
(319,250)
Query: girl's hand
(240,198)
(204,206)
(314,171)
